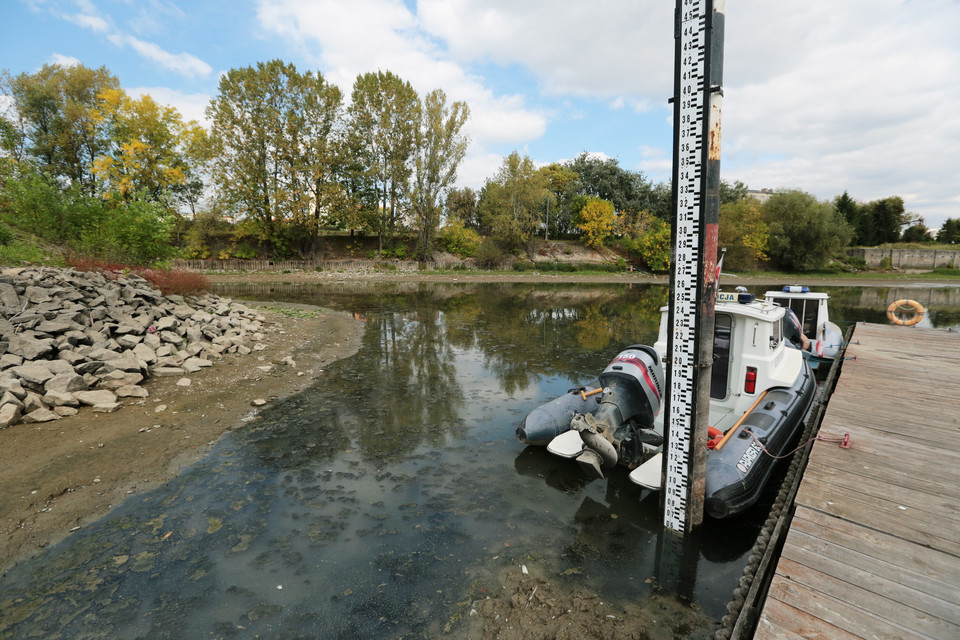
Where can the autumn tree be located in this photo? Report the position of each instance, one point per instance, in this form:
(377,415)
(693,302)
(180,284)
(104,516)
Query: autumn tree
(54,120)
(511,201)
(743,233)
(596,221)
(382,123)
(439,148)
(152,152)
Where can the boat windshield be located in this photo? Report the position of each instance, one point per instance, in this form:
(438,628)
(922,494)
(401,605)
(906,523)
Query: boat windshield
(806,311)
(721,356)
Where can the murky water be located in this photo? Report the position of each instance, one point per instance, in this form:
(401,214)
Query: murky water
(382,500)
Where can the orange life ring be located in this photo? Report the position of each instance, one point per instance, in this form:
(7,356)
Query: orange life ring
(905,313)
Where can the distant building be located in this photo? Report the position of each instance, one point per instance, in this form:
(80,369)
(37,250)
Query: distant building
(762,194)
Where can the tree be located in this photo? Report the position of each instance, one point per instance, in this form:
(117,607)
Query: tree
(382,123)
(730,193)
(272,128)
(916,233)
(511,202)
(562,209)
(152,152)
(440,147)
(805,234)
(949,231)
(604,178)
(310,130)
(462,206)
(876,222)
(848,208)
(743,233)
(596,221)
(55,120)
(661,200)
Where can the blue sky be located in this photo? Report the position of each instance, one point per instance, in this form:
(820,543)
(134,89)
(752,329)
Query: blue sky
(825,96)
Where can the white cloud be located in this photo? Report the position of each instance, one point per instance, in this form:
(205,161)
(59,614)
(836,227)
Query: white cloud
(62,60)
(183,63)
(190,105)
(369,35)
(604,48)
(852,96)
(92,22)
(89,17)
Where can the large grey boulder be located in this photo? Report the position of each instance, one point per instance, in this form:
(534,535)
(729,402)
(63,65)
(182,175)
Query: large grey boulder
(30,348)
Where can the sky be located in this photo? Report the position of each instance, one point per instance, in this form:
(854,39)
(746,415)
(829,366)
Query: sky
(825,96)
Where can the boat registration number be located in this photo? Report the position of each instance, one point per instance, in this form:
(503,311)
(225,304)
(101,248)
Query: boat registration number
(749,457)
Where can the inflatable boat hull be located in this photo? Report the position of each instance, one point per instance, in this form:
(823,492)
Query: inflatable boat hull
(547,421)
(737,472)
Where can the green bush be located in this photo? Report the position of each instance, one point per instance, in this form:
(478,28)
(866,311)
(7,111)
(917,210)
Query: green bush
(490,255)
(456,239)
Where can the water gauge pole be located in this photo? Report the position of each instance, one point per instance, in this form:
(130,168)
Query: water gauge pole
(698,35)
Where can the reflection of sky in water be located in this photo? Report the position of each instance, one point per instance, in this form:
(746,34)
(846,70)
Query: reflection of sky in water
(378,502)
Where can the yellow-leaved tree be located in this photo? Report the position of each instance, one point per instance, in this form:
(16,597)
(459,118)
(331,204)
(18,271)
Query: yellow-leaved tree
(596,221)
(152,152)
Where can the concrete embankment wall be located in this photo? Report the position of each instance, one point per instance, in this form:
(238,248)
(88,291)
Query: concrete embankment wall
(908,258)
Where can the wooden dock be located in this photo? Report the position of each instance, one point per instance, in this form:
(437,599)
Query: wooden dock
(873,549)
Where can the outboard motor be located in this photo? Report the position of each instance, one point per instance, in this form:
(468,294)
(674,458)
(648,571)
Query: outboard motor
(620,427)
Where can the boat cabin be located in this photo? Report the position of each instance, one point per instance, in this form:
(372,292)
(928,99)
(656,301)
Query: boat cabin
(750,354)
(810,307)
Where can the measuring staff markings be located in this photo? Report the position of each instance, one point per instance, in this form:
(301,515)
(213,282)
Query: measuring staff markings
(690,144)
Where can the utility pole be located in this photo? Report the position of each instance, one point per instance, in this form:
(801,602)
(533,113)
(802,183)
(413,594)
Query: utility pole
(698,92)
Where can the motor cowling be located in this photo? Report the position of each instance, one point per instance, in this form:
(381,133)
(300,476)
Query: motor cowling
(632,395)
(635,383)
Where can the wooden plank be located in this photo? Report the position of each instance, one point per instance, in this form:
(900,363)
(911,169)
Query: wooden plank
(832,610)
(874,470)
(832,484)
(781,621)
(932,565)
(942,539)
(880,578)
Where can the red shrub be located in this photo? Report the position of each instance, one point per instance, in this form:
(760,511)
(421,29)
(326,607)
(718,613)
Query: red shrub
(169,281)
(175,281)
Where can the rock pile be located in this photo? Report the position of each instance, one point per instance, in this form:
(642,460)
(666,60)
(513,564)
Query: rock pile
(70,339)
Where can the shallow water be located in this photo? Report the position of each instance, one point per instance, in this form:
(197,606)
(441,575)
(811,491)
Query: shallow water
(382,500)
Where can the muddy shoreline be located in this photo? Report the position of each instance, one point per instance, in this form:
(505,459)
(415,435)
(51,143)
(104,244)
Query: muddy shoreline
(58,476)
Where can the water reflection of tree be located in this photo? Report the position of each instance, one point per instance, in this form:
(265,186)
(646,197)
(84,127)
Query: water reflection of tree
(405,387)
(528,334)
(411,395)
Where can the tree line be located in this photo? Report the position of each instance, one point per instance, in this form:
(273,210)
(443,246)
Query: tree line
(287,159)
